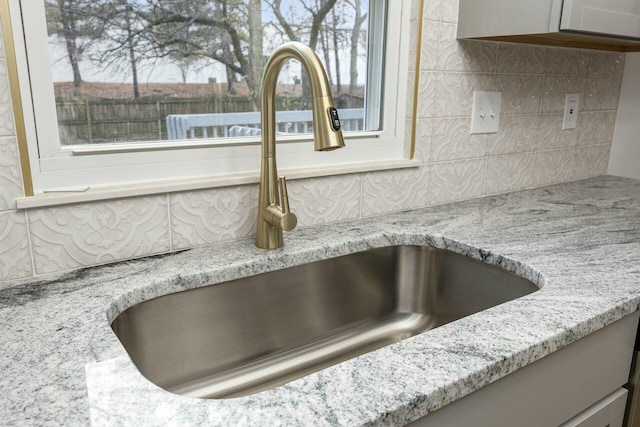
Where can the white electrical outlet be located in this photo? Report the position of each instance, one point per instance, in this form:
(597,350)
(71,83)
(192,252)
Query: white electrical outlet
(485,116)
(570,118)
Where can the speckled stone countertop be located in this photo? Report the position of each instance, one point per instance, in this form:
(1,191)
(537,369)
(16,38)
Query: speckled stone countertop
(62,365)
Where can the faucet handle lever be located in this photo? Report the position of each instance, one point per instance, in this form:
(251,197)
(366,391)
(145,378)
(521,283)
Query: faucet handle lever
(287,219)
(283,195)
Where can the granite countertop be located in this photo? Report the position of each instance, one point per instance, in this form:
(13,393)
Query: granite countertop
(580,242)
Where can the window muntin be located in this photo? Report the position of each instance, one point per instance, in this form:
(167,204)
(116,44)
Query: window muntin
(59,167)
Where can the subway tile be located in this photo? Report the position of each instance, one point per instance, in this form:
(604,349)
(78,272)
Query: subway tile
(396,190)
(10,175)
(15,253)
(326,199)
(212,216)
(452,140)
(457,180)
(73,236)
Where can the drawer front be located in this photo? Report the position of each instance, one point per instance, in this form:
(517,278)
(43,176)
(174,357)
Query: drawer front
(609,412)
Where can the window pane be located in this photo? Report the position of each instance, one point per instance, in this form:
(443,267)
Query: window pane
(143,70)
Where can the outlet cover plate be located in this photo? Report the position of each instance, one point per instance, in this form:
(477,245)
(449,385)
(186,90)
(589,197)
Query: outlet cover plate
(485,115)
(571,104)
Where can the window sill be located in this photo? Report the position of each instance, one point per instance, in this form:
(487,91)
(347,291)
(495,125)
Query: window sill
(81,195)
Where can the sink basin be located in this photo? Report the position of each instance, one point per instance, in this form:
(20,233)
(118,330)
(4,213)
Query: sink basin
(247,335)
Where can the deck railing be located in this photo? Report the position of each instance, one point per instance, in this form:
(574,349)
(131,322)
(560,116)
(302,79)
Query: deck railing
(191,126)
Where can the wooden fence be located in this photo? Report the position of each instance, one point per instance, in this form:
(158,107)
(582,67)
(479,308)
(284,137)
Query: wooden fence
(101,121)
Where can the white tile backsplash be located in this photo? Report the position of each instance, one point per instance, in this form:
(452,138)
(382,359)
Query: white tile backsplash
(212,216)
(15,251)
(529,150)
(73,236)
(10,176)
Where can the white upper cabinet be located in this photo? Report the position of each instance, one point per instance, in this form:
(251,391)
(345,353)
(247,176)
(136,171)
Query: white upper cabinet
(596,24)
(617,17)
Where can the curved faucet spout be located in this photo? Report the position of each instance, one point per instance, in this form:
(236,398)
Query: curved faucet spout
(273,208)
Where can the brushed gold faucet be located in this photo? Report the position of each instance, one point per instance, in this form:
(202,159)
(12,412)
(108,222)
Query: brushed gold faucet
(274,214)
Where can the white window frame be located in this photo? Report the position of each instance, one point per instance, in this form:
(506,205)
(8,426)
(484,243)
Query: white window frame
(75,173)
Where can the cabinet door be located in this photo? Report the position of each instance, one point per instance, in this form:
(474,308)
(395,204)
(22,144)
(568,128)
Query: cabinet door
(615,17)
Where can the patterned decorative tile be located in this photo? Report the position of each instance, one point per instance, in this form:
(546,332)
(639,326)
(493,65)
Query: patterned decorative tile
(396,190)
(411,81)
(457,180)
(10,176)
(325,199)
(211,216)
(605,64)
(555,88)
(465,55)
(432,10)
(521,58)
(74,236)
(454,92)
(592,160)
(2,52)
(427,95)
(596,128)
(429,50)
(568,62)
(449,10)
(517,134)
(424,140)
(509,173)
(452,140)
(521,93)
(7,126)
(15,254)
(554,166)
(551,135)
(602,93)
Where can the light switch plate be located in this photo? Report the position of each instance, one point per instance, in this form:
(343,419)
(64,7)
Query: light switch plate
(570,118)
(485,116)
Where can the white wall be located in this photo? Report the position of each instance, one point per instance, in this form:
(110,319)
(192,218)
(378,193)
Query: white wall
(625,151)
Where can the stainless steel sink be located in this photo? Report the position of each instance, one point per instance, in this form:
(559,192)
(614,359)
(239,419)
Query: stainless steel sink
(244,336)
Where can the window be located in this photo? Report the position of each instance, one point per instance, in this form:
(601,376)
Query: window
(141,91)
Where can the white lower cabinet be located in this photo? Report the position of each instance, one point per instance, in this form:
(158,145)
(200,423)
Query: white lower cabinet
(609,412)
(579,385)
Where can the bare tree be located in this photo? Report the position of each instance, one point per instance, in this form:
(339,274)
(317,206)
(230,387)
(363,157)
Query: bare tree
(226,31)
(74,22)
(318,11)
(125,41)
(359,19)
